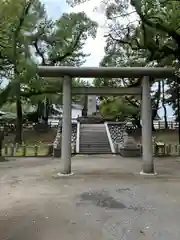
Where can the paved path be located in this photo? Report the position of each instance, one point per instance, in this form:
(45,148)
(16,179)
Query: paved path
(105,199)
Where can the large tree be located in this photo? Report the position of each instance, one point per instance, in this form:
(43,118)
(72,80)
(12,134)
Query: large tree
(144,33)
(156,35)
(20,19)
(34,39)
(62,45)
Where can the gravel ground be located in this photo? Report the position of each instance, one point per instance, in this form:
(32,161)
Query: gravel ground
(106,198)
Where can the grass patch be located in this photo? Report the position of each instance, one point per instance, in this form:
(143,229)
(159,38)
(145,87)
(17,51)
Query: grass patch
(30,139)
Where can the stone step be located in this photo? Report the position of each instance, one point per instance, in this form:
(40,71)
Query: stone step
(95,129)
(95,146)
(86,147)
(105,144)
(93,153)
(97,139)
(93,139)
(91,132)
(95,150)
(99,135)
(94,135)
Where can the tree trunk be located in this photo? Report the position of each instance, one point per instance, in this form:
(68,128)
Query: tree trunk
(19,119)
(1,142)
(178,110)
(40,109)
(2,159)
(84,112)
(156,105)
(46,111)
(18,138)
(137,121)
(164,105)
(17,85)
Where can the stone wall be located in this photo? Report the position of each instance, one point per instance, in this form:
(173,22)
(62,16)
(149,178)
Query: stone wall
(124,145)
(57,141)
(117,131)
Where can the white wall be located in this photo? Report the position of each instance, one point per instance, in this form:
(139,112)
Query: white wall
(76,113)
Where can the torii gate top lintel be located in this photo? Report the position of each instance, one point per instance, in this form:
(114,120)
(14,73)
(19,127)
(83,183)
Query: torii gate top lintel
(96,72)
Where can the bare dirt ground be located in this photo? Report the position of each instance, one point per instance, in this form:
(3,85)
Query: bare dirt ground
(106,198)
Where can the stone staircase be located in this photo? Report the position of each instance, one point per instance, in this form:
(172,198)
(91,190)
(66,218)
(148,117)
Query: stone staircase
(94,139)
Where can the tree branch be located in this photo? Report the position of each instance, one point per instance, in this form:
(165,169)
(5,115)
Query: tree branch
(132,102)
(69,52)
(22,17)
(121,41)
(36,93)
(165,50)
(155,25)
(39,52)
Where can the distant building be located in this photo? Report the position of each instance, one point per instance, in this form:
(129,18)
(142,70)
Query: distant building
(58,112)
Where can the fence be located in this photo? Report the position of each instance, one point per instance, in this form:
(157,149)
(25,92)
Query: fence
(16,150)
(159,150)
(161,125)
(46,150)
(165,150)
(157,125)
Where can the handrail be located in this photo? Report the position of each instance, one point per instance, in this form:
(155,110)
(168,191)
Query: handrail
(109,138)
(77,137)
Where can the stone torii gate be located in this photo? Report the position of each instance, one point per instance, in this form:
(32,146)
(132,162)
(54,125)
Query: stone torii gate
(107,72)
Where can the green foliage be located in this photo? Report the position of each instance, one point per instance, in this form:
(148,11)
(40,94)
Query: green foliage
(29,38)
(38,40)
(68,38)
(144,33)
(117,108)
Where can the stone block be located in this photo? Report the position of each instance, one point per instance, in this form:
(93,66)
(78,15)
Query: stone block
(126,152)
(50,150)
(129,148)
(57,152)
